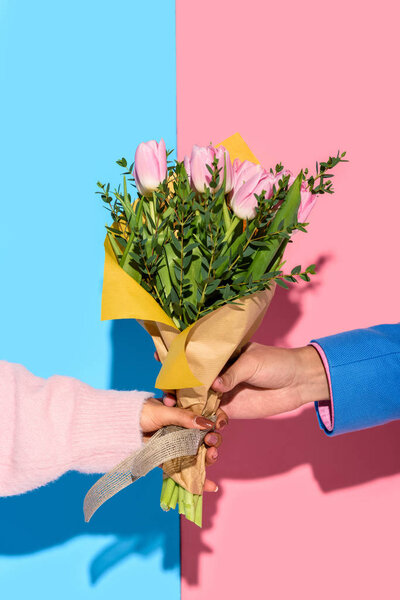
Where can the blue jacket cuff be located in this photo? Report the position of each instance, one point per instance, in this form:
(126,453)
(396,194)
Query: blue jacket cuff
(364,367)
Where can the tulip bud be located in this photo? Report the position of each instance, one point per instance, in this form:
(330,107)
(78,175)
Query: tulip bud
(307,201)
(186,162)
(150,166)
(249,179)
(200,176)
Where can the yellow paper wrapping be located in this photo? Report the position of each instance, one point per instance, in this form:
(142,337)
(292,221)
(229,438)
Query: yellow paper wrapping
(191,359)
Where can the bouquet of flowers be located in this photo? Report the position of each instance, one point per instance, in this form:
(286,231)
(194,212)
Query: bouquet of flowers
(194,255)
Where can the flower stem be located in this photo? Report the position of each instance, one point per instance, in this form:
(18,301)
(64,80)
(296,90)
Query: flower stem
(190,505)
(167,493)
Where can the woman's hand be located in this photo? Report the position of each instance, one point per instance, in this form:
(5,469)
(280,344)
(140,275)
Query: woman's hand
(156,415)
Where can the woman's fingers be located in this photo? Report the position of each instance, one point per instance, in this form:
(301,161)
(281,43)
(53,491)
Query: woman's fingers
(211,456)
(169,399)
(185,418)
(222,419)
(156,415)
(210,486)
(213,439)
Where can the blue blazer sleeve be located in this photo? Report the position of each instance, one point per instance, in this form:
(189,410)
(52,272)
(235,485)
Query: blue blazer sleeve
(364,367)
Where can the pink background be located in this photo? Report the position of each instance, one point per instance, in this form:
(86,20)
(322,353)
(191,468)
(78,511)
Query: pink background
(300,515)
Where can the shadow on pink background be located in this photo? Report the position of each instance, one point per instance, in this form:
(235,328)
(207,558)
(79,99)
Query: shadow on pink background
(256,450)
(300,515)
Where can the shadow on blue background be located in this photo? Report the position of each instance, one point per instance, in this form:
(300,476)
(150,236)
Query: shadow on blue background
(53,514)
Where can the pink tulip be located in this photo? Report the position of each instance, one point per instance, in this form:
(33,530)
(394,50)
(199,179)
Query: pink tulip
(307,201)
(249,179)
(186,162)
(150,166)
(196,167)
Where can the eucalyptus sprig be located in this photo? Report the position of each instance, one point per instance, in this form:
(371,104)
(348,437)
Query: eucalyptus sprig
(322,177)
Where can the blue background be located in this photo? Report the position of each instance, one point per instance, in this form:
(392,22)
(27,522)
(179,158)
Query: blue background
(82,83)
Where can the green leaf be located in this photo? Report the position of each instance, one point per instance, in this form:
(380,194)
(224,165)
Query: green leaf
(211,287)
(226,292)
(174,296)
(115,247)
(177,308)
(128,210)
(178,272)
(226,216)
(220,261)
(186,261)
(296,270)
(149,220)
(285,217)
(134,256)
(134,273)
(122,241)
(176,244)
(191,310)
(169,258)
(282,284)
(257,244)
(210,169)
(191,247)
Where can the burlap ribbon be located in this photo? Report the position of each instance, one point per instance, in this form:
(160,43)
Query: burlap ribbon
(168,443)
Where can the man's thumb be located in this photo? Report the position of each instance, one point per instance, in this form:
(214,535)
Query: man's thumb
(237,373)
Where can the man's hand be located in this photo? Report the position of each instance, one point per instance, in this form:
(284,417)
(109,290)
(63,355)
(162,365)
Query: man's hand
(266,381)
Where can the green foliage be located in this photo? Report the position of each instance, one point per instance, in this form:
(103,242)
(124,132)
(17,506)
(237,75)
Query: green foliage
(321,183)
(189,250)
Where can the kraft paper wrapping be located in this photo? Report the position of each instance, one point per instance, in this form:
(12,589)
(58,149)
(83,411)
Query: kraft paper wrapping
(191,359)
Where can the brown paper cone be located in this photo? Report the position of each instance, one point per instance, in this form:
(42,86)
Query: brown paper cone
(210,343)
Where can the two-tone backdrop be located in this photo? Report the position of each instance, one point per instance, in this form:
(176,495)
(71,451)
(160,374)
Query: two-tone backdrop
(298,514)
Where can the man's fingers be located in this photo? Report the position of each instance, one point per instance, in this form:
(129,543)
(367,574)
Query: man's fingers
(241,370)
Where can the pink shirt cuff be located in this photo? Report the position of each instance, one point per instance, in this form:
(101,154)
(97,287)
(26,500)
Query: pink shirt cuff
(325,407)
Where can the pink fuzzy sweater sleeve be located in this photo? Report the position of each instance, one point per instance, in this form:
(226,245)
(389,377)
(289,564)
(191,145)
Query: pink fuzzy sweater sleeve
(50,426)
